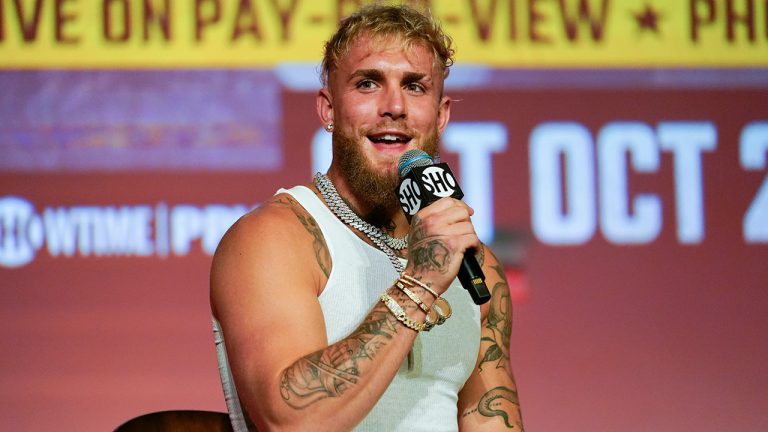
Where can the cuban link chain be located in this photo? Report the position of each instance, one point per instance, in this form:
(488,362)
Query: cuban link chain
(382,240)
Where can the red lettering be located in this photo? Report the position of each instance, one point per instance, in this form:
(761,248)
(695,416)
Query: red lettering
(285,17)
(483,21)
(246,21)
(596,24)
(535,17)
(697,19)
(512,20)
(203,20)
(108,17)
(2,22)
(63,18)
(345,7)
(29,26)
(423,5)
(162,18)
(733,18)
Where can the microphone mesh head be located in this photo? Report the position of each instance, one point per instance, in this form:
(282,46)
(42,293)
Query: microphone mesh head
(411,159)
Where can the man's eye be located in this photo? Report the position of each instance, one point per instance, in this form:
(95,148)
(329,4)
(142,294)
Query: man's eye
(415,87)
(366,84)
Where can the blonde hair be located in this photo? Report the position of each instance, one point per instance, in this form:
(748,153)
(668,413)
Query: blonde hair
(388,21)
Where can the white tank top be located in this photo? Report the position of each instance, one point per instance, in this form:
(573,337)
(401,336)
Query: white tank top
(422,399)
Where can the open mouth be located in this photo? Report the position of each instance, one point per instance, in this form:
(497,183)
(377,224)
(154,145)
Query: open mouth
(389,138)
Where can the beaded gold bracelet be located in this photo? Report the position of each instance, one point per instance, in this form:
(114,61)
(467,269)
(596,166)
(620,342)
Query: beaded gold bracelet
(399,313)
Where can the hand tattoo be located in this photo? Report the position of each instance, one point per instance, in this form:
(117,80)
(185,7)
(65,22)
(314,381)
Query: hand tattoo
(427,253)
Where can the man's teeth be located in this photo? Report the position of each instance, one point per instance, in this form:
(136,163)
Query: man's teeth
(389,138)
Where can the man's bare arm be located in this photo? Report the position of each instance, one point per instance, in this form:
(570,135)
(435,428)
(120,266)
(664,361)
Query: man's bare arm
(266,300)
(489,399)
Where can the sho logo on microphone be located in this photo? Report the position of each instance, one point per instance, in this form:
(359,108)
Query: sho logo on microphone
(438,181)
(410,196)
(426,184)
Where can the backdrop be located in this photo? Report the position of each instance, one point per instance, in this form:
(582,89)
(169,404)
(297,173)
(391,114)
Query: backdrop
(615,151)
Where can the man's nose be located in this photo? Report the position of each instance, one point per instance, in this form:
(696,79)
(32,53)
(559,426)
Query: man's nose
(393,104)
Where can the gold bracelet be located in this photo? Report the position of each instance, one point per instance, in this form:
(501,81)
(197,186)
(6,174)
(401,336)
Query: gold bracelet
(432,317)
(410,280)
(399,313)
(443,309)
(440,305)
(412,296)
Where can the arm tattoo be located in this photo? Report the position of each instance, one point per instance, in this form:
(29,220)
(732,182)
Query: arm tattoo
(427,253)
(499,323)
(333,370)
(480,255)
(322,255)
(491,405)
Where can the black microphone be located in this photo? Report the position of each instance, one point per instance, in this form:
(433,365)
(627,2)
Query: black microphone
(423,182)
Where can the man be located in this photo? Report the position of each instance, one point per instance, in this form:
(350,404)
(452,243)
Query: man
(325,323)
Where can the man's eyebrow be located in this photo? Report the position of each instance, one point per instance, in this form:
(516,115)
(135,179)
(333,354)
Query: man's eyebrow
(373,74)
(410,77)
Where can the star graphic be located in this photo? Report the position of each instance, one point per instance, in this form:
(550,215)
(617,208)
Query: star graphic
(648,19)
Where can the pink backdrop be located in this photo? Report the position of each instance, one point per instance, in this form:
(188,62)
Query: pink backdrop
(115,186)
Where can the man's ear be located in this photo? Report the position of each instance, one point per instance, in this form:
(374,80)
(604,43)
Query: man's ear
(443,113)
(324,106)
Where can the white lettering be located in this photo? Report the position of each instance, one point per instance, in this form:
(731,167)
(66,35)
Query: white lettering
(208,225)
(20,232)
(753,151)
(618,223)
(687,141)
(109,231)
(186,226)
(475,143)
(60,232)
(554,222)
(123,231)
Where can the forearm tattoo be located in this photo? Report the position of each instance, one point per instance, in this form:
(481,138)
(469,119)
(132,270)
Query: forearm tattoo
(480,255)
(427,253)
(492,405)
(322,255)
(498,324)
(335,369)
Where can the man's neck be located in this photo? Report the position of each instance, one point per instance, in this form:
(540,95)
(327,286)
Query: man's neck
(390,220)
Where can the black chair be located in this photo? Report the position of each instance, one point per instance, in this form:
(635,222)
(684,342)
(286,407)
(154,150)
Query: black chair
(178,421)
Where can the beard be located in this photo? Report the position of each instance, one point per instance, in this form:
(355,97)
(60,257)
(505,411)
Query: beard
(376,190)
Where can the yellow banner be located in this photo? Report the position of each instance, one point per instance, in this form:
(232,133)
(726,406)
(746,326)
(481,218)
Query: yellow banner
(262,33)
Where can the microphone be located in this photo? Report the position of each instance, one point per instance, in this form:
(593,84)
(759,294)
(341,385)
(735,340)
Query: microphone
(423,182)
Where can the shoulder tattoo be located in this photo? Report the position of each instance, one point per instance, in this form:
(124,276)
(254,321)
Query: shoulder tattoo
(322,255)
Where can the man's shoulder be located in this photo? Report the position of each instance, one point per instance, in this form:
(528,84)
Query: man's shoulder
(281,215)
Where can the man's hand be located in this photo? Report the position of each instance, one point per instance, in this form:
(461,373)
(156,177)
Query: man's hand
(438,238)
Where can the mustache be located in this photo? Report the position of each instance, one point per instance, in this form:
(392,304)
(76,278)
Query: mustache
(391,126)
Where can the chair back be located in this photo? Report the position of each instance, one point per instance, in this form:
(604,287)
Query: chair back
(178,421)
